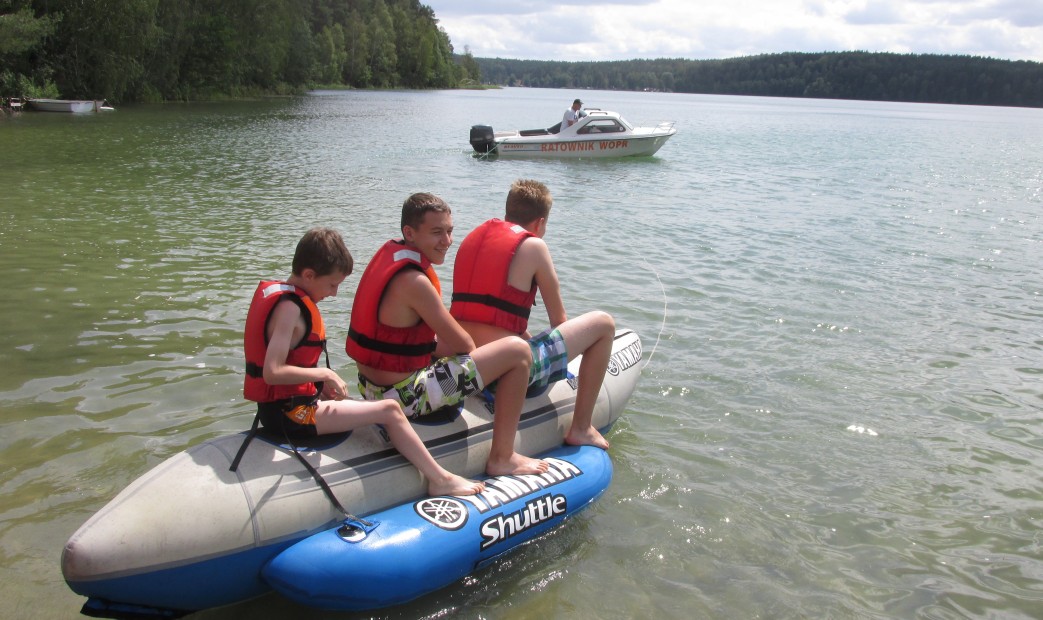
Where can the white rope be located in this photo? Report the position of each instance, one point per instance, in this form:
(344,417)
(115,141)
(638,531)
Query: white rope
(663,326)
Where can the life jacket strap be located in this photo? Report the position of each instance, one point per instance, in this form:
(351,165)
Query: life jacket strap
(380,346)
(493,302)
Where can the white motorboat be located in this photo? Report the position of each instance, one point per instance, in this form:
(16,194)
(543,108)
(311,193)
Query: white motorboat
(70,105)
(598,134)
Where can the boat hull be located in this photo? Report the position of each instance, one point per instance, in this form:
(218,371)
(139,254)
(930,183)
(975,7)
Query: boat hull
(191,534)
(421,546)
(602,148)
(66,105)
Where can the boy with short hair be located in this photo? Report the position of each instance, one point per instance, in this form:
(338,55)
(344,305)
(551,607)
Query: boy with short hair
(398,321)
(499,268)
(284,341)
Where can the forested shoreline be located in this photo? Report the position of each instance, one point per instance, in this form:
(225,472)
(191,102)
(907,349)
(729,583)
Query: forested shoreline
(181,50)
(164,50)
(922,78)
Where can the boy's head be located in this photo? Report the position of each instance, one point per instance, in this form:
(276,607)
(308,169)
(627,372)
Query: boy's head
(427,224)
(527,202)
(417,206)
(323,251)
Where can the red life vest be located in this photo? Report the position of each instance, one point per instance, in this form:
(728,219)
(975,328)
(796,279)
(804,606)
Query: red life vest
(305,354)
(481,292)
(372,343)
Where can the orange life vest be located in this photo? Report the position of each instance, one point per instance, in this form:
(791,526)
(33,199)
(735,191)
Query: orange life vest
(305,354)
(372,343)
(481,292)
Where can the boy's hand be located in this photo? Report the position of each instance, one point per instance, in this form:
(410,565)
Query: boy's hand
(334,387)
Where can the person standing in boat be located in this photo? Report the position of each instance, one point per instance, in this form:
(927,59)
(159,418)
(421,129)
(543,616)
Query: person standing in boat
(499,268)
(398,321)
(572,115)
(284,341)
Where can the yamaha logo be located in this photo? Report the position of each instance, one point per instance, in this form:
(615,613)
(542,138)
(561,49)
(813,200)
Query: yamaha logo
(450,513)
(624,358)
(444,512)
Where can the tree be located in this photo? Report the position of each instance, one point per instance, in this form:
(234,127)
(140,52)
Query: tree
(383,56)
(469,67)
(332,54)
(358,71)
(21,35)
(21,31)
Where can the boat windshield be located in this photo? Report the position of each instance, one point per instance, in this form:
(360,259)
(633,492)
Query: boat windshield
(602,125)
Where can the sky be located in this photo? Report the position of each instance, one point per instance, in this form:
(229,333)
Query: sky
(584,30)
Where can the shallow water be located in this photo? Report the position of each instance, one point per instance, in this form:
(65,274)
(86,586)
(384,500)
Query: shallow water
(840,304)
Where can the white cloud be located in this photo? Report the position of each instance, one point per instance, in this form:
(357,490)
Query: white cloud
(624,29)
(875,13)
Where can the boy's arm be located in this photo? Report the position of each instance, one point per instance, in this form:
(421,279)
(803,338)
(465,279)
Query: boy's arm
(286,328)
(424,299)
(548,284)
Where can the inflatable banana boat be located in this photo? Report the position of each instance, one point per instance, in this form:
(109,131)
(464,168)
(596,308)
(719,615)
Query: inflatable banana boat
(400,554)
(193,533)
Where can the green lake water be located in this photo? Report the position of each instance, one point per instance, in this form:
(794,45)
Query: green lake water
(841,305)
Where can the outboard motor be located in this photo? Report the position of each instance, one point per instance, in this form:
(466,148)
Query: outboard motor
(482,139)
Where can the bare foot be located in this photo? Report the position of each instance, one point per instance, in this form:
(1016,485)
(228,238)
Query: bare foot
(455,485)
(517,464)
(586,437)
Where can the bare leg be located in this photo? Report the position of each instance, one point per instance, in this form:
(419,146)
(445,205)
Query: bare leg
(507,360)
(590,334)
(344,415)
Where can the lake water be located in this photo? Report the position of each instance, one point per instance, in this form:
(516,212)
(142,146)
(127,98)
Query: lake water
(841,305)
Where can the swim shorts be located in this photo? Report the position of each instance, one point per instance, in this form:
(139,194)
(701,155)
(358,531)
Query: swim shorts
(445,383)
(295,417)
(550,359)
(550,362)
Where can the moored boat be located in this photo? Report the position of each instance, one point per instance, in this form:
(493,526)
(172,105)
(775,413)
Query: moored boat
(75,106)
(192,534)
(598,134)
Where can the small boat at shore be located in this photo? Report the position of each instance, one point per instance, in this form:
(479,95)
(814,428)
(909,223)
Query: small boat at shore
(195,532)
(598,134)
(75,106)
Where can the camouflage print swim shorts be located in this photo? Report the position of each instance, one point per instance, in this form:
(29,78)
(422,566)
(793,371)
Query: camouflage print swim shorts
(444,383)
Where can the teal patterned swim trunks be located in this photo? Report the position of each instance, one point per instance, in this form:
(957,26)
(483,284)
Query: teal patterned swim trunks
(550,362)
(550,359)
(445,383)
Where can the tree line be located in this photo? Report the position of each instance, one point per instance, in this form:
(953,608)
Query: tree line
(154,50)
(923,78)
(157,50)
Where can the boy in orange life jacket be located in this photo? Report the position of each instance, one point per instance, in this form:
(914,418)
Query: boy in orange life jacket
(398,321)
(284,340)
(499,267)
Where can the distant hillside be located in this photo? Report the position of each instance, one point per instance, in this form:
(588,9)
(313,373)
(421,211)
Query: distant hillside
(923,78)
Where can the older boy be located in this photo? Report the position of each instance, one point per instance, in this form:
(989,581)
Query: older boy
(284,341)
(398,321)
(499,268)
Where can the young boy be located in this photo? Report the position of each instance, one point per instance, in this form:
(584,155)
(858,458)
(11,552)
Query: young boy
(284,341)
(499,268)
(398,321)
